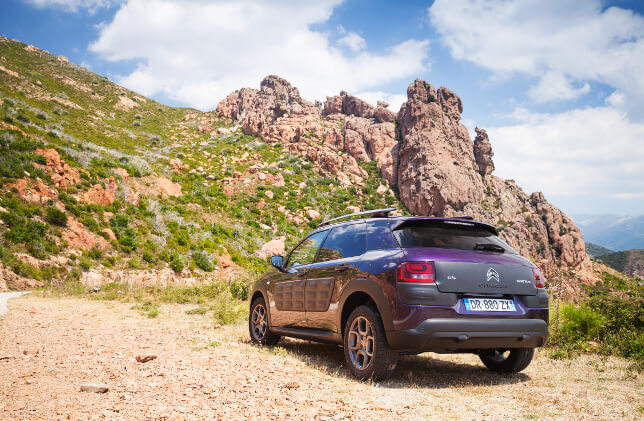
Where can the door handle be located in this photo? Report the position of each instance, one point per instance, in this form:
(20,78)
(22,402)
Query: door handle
(341,268)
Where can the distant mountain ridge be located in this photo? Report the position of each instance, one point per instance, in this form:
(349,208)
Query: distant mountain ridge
(630,262)
(595,250)
(615,232)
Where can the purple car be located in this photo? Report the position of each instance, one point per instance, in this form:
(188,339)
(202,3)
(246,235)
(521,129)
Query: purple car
(381,286)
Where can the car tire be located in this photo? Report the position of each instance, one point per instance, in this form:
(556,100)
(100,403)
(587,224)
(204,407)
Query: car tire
(258,324)
(366,351)
(507,360)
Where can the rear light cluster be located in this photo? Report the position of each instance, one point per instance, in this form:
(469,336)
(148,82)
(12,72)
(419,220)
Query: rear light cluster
(539,280)
(416,272)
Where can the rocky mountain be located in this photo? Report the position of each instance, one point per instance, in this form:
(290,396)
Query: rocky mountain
(424,153)
(616,232)
(100,184)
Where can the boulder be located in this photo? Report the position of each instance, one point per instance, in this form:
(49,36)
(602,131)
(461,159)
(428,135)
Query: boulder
(275,247)
(97,195)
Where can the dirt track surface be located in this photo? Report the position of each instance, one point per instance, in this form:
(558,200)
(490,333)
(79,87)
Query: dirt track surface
(50,347)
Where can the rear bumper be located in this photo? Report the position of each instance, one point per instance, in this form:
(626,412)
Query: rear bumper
(469,334)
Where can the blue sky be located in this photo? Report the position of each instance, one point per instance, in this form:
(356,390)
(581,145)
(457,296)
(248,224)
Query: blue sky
(558,84)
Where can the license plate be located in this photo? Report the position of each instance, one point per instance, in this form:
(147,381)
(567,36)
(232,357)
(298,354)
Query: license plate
(488,304)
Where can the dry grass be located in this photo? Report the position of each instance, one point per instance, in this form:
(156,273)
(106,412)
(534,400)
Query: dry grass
(206,373)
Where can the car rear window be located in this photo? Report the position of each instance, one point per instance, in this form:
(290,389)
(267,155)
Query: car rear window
(446,236)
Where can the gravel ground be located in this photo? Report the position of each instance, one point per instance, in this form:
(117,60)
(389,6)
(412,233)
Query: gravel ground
(50,347)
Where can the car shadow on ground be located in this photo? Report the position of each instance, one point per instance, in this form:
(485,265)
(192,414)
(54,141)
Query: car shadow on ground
(425,370)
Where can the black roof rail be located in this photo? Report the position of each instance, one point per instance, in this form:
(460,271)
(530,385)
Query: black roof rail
(377,213)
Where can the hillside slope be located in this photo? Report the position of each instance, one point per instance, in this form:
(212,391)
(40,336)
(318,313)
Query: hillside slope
(101,184)
(630,262)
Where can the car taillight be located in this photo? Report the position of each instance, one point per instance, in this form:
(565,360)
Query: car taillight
(416,272)
(539,280)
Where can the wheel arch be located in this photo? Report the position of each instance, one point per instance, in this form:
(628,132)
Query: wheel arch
(363,291)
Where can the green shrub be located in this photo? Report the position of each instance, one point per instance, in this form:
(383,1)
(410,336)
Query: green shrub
(56,217)
(609,321)
(203,261)
(176,264)
(580,323)
(149,257)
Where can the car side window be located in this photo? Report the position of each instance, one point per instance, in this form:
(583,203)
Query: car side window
(344,241)
(305,252)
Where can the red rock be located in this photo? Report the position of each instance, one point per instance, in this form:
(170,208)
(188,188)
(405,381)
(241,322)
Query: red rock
(97,195)
(177,165)
(275,247)
(110,234)
(61,174)
(79,237)
(225,260)
(134,198)
(483,152)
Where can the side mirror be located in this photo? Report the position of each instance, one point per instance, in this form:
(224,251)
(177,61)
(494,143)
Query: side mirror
(277,261)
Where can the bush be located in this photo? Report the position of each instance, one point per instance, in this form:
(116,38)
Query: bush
(580,323)
(203,261)
(610,321)
(176,264)
(148,257)
(56,217)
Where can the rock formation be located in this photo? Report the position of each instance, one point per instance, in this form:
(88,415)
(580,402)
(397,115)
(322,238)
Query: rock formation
(61,173)
(442,172)
(483,152)
(277,113)
(431,158)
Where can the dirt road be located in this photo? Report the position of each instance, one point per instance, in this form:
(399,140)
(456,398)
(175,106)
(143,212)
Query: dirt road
(4,299)
(50,347)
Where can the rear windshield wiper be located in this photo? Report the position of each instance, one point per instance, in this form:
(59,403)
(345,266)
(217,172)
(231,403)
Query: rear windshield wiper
(489,247)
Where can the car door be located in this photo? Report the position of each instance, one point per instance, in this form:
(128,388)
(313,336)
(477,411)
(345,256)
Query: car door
(336,264)
(286,290)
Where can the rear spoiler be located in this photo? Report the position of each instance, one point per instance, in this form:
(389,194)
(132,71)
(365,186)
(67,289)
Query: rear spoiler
(466,224)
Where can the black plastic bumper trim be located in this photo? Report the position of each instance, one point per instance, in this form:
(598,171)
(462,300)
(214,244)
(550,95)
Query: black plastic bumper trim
(442,334)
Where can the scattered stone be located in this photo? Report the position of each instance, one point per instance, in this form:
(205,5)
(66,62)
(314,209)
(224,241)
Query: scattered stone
(145,358)
(313,214)
(291,385)
(94,388)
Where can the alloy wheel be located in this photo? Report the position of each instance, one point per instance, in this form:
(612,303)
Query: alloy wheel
(258,322)
(361,343)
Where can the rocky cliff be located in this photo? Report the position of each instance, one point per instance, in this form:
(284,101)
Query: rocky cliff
(425,152)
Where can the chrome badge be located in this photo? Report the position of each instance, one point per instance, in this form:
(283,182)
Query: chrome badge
(493,275)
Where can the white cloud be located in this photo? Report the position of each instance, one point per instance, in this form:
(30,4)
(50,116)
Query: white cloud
(196,52)
(353,41)
(74,5)
(554,86)
(591,151)
(577,40)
